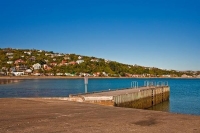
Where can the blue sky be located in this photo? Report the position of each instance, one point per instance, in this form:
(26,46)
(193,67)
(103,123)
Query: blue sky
(155,33)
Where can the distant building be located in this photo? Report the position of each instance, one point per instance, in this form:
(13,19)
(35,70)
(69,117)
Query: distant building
(37,66)
(79,57)
(79,61)
(17,73)
(8,54)
(19,61)
(53,64)
(184,76)
(72,63)
(9,62)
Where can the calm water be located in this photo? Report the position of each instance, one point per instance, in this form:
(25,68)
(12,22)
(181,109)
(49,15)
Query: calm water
(184,93)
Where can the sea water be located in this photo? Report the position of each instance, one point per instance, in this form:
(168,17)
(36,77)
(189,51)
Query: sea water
(184,93)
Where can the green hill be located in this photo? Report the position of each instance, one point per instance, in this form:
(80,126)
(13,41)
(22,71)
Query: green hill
(74,64)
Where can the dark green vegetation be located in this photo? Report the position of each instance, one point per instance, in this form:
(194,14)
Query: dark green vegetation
(67,63)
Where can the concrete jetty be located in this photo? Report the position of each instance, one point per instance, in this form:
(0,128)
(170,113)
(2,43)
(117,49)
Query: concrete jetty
(141,98)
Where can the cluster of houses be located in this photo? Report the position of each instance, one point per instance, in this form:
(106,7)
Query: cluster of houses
(20,68)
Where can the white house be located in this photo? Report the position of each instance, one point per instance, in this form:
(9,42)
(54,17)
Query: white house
(59,74)
(94,60)
(107,61)
(79,61)
(60,55)
(36,74)
(17,73)
(37,66)
(79,57)
(29,52)
(9,54)
(28,71)
(9,62)
(47,54)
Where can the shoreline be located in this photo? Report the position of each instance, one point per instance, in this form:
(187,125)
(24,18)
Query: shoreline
(77,77)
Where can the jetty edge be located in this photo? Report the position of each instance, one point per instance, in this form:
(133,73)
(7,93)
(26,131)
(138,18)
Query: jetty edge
(140,98)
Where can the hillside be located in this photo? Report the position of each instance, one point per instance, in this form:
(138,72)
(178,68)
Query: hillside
(40,62)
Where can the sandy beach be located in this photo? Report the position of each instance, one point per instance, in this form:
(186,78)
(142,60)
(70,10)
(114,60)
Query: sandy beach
(60,116)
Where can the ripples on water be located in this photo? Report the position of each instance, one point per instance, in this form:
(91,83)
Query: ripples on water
(41,88)
(8,81)
(184,93)
(184,97)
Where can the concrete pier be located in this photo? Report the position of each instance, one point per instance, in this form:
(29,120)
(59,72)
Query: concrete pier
(141,98)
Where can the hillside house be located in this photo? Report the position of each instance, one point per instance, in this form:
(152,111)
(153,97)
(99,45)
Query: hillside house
(79,57)
(13,69)
(19,61)
(28,52)
(59,54)
(59,74)
(28,71)
(94,60)
(21,67)
(9,62)
(72,63)
(184,76)
(8,54)
(36,74)
(107,61)
(46,67)
(63,62)
(53,64)
(97,74)
(37,66)
(47,54)
(105,74)
(68,74)
(17,73)
(33,58)
(79,61)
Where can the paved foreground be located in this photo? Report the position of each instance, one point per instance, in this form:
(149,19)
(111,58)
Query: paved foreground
(57,116)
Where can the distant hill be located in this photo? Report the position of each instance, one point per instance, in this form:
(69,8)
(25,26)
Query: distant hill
(50,63)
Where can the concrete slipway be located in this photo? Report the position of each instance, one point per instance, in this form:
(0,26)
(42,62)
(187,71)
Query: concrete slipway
(36,115)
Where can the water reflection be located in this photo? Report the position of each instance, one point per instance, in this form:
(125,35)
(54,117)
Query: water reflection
(164,106)
(8,81)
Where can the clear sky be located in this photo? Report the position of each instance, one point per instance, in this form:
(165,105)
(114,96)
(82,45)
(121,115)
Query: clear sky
(155,33)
